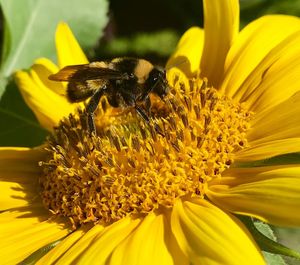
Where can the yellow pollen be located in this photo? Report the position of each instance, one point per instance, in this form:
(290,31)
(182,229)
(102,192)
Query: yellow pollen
(133,168)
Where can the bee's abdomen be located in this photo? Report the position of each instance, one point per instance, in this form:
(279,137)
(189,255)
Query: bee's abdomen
(80,91)
(77,91)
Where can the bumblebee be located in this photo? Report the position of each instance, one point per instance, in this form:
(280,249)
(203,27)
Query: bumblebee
(126,82)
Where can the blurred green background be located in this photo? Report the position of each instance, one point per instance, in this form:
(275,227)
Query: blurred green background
(148,29)
(152,28)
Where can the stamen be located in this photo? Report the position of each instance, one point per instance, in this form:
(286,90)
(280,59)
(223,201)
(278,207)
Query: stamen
(133,168)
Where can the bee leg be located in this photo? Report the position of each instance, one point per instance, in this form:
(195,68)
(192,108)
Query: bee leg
(142,113)
(145,117)
(91,108)
(148,105)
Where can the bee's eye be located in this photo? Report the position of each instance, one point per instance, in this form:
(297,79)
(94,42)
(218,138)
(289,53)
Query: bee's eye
(155,75)
(156,82)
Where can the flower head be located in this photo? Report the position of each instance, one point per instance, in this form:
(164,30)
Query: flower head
(131,169)
(164,192)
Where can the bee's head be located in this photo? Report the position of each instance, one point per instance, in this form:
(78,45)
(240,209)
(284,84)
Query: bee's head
(157,82)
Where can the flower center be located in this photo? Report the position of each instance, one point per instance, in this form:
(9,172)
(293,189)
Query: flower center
(132,168)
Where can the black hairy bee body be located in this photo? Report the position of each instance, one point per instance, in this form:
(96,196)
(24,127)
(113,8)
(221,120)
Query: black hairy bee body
(126,82)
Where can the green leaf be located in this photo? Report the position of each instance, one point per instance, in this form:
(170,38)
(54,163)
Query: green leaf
(18,126)
(289,236)
(29,28)
(273,259)
(29,31)
(266,239)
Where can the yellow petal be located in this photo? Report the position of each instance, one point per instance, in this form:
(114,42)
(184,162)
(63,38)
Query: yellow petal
(258,56)
(188,53)
(278,123)
(99,243)
(176,76)
(210,236)
(221,25)
(48,107)
(264,150)
(43,68)
(179,258)
(280,76)
(19,174)
(153,250)
(72,253)
(18,219)
(56,253)
(68,50)
(271,194)
(24,232)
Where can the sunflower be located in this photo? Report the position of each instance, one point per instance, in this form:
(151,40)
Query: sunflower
(167,192)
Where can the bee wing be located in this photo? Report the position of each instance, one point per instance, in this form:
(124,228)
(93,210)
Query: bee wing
(66,73)
(84,72)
